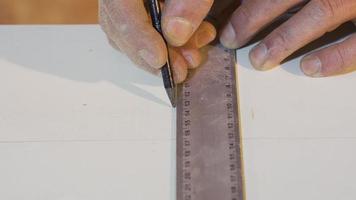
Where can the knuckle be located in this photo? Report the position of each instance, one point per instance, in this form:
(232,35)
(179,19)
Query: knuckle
(107,15)
(242,20)
(279,41)
(328,8)
(340,55)
(245,14)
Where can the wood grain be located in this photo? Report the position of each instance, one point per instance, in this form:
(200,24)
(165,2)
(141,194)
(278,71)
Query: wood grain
(48,11)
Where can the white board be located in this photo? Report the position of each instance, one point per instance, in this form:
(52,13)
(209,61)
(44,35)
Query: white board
(299,133)
(79,121)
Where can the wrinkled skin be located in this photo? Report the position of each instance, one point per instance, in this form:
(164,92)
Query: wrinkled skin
(128,27)
(129,30)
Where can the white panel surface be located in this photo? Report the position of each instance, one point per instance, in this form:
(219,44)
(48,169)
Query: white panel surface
(284,103)
(79,121)
(299,133)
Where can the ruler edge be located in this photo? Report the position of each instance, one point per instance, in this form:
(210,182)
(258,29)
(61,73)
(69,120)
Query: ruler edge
(238,120)
(236,104)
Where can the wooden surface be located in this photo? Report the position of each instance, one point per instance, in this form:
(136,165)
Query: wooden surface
(79,122)
(48,11)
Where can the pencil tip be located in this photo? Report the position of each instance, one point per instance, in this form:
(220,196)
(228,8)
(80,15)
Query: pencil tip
(171,92)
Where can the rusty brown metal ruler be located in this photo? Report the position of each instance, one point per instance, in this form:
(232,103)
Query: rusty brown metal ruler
(209,158)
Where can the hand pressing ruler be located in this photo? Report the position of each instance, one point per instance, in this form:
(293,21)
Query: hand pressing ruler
(209,158)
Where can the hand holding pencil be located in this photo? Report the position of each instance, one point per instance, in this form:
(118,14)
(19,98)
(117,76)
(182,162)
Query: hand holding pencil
(129,29)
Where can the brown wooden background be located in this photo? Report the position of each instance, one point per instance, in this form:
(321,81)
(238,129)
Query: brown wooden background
(48,11)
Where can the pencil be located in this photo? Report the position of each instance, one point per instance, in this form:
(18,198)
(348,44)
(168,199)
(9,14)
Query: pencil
(166,71)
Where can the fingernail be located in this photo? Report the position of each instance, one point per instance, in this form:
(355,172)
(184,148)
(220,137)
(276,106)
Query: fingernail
(203,37)
(190,60)
(193,62)
(258,56)
(149,58)
(311,66)
(228,37)
(178,31)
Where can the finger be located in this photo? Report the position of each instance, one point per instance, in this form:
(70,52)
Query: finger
(179,65)
(203,36)
(105,26)
(314,20)
(121,45)
(251,17)
(105,23)
(103,18)
(192,56)
(181,18)
(113,44)
(131,28)
(334,60)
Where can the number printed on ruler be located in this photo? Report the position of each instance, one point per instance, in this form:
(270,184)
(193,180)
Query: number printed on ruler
(187,176)
(232,129)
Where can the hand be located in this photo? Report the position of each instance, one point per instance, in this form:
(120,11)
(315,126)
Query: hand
(315,19)
(129,30)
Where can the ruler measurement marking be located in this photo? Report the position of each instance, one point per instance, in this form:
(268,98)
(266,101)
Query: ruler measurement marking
(187,184)
(208,95)
(231,136)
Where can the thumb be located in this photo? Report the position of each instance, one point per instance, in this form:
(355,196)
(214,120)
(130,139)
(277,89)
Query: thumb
(181,18)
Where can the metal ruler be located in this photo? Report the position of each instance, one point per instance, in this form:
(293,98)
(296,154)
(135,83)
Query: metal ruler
(209,158)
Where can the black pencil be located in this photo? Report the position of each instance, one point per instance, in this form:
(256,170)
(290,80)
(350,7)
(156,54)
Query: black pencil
(168,81)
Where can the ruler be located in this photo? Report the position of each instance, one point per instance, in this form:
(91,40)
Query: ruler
(209,158)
